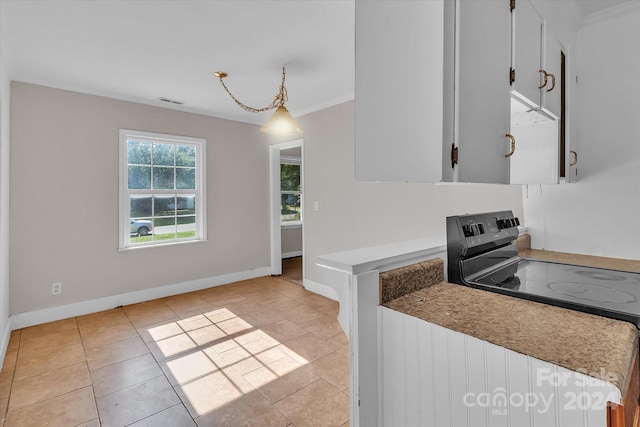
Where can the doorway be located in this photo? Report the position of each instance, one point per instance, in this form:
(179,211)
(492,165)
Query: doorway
(286,206)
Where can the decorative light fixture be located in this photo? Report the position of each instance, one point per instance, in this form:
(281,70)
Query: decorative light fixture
(282,122)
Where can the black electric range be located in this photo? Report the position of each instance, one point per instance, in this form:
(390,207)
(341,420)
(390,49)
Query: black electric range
(482,254)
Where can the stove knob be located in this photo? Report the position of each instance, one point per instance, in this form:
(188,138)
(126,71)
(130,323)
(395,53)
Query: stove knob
(467,230)
(517,221)
(502,224)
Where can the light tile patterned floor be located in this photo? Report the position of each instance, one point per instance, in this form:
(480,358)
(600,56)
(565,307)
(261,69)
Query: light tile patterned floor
(263,352)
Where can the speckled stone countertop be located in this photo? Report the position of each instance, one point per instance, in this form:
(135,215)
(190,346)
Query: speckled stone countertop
(598,346)
(402,281)
(584,260)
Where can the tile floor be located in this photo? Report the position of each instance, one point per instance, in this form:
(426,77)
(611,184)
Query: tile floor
(262,352)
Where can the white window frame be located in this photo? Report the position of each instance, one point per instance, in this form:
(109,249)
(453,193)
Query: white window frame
(125,193)
(292,161)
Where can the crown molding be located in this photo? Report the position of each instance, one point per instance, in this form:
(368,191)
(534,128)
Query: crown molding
(611,13)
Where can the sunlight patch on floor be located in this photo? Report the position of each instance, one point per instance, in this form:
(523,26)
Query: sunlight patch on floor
(217,357)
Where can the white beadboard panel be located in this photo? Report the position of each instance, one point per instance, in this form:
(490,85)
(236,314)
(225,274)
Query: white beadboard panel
(435,377)
(411,363)
(497,385)
(426,368)
(519,413)
(540,386)
(458,375)
(442,405)
(477,379)
(393,380)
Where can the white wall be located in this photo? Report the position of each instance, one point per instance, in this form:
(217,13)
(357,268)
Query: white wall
(64,199)
(597,215)
(353,215)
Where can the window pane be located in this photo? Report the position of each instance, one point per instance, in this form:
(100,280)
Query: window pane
(140,206)
(289,177)
(161,189)
(163,178)
(138,153)
(186,226)
(186,220)
(164,205)
(186,179)
(290,207)
(164,228)
(139,177)
(185,155)
(186,205)
(163,154)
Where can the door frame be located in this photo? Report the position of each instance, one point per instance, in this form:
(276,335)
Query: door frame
(274,202)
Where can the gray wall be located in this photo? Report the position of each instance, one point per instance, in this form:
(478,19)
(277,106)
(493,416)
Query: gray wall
(64,199)
(353,215)
(291,240)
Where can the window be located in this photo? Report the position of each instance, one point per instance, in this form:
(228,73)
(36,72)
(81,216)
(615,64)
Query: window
(290,190)
(161,189)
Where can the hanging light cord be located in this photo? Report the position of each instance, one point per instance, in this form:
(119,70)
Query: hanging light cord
(278,100)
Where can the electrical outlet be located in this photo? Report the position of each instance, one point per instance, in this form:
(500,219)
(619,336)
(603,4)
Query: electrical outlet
(56,288)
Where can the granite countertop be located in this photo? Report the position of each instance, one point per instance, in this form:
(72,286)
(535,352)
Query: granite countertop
(595,345)
(598,346)
(584,260)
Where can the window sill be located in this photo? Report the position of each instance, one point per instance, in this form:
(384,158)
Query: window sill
(292,224)
(161,245)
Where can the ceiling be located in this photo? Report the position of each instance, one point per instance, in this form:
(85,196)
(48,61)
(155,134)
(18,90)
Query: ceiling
(141,50)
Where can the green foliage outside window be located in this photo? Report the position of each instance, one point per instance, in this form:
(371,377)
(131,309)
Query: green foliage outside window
(290,187)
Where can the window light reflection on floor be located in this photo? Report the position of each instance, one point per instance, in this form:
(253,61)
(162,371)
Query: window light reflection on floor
(216,357)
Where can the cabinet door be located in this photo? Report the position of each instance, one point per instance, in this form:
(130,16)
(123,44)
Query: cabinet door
(398,90)
(552,65)
(483,54)
(527,45)
(535,160)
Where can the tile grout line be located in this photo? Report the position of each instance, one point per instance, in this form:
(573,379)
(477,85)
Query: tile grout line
(324,309)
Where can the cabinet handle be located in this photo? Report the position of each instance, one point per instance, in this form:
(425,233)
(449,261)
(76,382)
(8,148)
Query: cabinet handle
(513,145)
(553,82)
(454,155)
(545,79)
(575,158)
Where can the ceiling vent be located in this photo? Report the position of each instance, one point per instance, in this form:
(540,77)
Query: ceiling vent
(170,101)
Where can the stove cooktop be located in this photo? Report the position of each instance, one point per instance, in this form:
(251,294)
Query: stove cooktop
(608,293)
(481,253)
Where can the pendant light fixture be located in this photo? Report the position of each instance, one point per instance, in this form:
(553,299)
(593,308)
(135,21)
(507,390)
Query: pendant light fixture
(282,122)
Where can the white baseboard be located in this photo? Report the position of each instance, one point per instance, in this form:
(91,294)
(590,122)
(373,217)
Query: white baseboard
(4,342)
(36,317)
(320,288)
(291,254)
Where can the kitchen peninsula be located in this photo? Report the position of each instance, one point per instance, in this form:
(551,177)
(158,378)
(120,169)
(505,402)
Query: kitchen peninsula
(427,352)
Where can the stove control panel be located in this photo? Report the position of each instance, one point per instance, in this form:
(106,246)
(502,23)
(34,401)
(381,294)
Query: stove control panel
(475,233)
(507,223)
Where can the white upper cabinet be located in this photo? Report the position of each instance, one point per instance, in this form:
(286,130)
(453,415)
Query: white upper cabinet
(535,158)
(552,64)
(398,90)
(526,61)
(535,60)
(481,96)
(434,96)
